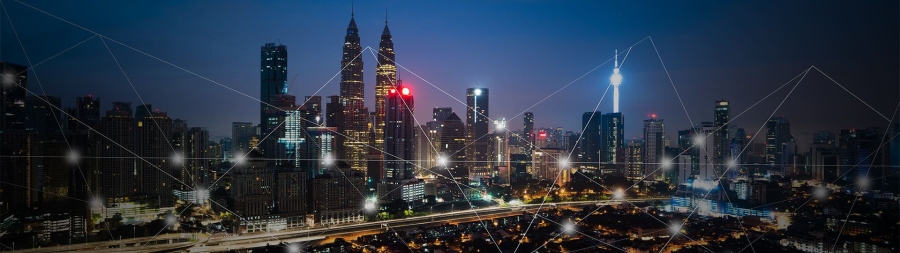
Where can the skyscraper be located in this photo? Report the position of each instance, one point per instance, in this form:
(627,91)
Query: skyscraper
(400,147)
(778,133)
(354,123)
(12,102)
(400,135)
(87,110)
(453,141)
(590,140)
(241,132)
(634,160)
(721,138)
(273,77)
(477,104)
(156,170)
(612,138)
(196,151)
(528,133)
(654,147)
(385,80)
(439,114)
(41,114)
(112,178)
(314,110)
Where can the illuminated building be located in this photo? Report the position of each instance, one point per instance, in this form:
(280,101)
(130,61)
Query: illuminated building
(400,147)
(251,193)
(87,110)
(12,109)
(548,164)
(385,80)
(477,113)
(314,110)
(778,132)
(453,141)
(334,199)
(612,138)
(722,138)
(196,154)
(155,169)
(273,79)
(284,137)
(112,179)
(634,165)
(654,147)
(500,151)
(528,133)
(353,115)
(702,153)
(321,145)
(241,132)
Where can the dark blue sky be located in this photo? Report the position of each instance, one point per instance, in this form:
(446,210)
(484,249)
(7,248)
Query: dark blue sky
(521,50)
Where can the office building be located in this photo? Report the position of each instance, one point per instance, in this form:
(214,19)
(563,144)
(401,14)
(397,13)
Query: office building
(654,148)
(477,117)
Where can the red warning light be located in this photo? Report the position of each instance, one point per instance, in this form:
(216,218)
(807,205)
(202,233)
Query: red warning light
(405,91)
(393,91)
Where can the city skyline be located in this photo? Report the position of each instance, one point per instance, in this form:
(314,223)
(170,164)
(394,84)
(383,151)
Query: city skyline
(645,74)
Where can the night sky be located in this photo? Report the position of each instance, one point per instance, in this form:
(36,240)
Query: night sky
(521,50)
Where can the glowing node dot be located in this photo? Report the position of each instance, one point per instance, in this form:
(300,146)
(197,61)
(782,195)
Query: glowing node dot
(442,161)
(239,159)
(569,227)
(96,203)
(863,182)
(8,80)
(698,140)
(563,163)
(477,92)
(170,219)
(370,206)
(328,160)
(821,193)
(294,248)
(675,229)
(732,163)
(177,159)
(73,157)
(619,194)
(667,163)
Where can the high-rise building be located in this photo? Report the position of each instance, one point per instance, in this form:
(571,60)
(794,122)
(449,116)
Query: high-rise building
(142,111)
(284,136)
(453,141)
(528,134)
(612,138)
(250,187)
(87,110)
(634,169)
(654,148)
(739,142)
(114,179)
(702,153)
(590,140)
(41,115)
(500,152)
(226,148)
(333,196)
(197,156)
(721,138)
(333,111)
(241,132)
(273,78)
(824,137)
(156,170)
(399,135)
(385,80)
(439,114)
(824,162)
(778,133)
(314,110)
(477,113)
(354,135)
(12,102)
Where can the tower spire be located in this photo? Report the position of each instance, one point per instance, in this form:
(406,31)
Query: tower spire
(385,16)
(351,8)
(617,58)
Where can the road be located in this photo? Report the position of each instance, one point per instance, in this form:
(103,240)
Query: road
(202,243)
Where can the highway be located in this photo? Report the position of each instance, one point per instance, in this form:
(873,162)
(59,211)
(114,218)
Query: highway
(197,242)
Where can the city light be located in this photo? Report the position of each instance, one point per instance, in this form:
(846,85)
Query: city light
(370,204)
(442,161)
(564,163)
(477,92)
